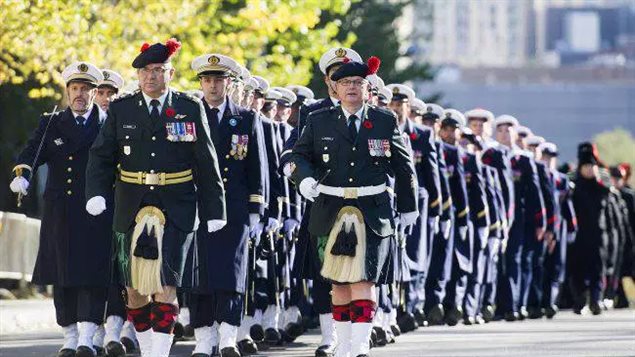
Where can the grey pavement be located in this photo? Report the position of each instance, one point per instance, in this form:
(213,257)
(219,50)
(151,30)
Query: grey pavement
(611,334)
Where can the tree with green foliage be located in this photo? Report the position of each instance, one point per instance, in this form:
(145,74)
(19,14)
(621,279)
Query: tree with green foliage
(615,147)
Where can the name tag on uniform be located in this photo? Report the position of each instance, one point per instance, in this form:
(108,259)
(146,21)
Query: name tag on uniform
(379,147)
(239,146)
(180,131)
(129,126)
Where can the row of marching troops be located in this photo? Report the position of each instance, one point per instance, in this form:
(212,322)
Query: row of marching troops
(242,214)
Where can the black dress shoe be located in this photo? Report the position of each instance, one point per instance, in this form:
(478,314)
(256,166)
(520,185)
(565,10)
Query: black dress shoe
(230,352)
(469,320)
(325,351)
(478,319)
(272,336)
(488,313)
(66,352)
(200,355)
(551,311)
(407,322)
(510,316)
(595,308)
(390,337)
(435,315)
(99,351)
(294,330)
(453,316)
(381,336)
(364,355)
(535,313)
(522,314)
(420,317)
(178,331)
(284,337)
(115,349)
(395,330)
(128,344)
(247,347)
(188,331)
(84,351)
(257,333)
(373,338)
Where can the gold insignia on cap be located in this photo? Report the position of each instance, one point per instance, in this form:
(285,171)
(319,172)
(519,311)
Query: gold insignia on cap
(82,67)
(106,75)
(213,60)
(295,90)
(395,90)
(340,52)
(429,109)
(448,115)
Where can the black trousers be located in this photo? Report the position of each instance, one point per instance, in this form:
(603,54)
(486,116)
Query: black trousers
(79,304)
(220,306)
(116,302)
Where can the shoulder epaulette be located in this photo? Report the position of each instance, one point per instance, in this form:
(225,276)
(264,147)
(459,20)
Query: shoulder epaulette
(322,110)
(126,95)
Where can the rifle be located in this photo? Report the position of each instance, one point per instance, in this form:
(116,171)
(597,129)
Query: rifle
(37,154)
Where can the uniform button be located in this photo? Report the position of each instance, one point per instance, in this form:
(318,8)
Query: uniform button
(127,136)
(69,192)
(225,169)
(352,164)
(224,180)
(227,156)
(354,149)
(350,179)
(326,148)
(154,138)
(69,169)
(69,181)
(152,187)
(70,158)
(152,154)
(151,171)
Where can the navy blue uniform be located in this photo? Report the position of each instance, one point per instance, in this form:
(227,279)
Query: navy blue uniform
(78,268)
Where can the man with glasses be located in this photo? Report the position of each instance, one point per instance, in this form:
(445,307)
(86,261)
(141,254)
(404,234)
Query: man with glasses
(155,148)
(342,162)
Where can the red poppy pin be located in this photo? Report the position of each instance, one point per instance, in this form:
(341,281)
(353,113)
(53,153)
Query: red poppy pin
(170,112)
(367,124)
(413,136)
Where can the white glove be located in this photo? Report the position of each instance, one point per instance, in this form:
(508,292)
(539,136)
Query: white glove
(286,170)
(254,218)
(463,232)
(408,218)
(256,231)
(96,205)
(290,224)
(214,225)
(272,224)
(434,224)
(445,227)
(19,185)
(308,190)
(570,237)
(482,233)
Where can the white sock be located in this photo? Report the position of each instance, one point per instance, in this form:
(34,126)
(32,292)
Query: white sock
(327,329)
(184,316)
(215,334)
(203,337)
(292,315)
(98,338)
(258,317)
(360,337)
(245,326)
(86,333)
(71,336)
(378,319)
(128,331)
(161,344)
(227,335)
(145,342)
(343,330)
(270,318)
(114,324)
(393,317)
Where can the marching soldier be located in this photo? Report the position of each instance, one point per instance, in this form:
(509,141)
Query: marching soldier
(496,163)
(155,148)
(441,254)
(74,250)
(217,299)
(307,260)
(528,207)
(418,245)
(351,150)
(461,241)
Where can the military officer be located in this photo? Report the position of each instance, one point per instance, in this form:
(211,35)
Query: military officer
(528,207)
(108,88)
(351,149)
(384,96)
(535,251)
(155,148)
(217,300)
(461,242)
(440,255)
(307,263)
(77,267)
(419,242)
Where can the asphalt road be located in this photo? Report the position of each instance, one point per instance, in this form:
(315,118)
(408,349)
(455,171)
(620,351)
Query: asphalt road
(611,334)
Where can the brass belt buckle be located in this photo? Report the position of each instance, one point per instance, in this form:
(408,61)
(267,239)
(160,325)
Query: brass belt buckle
(350,193)
(151,179)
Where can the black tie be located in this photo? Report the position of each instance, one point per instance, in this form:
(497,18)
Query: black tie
(215,114)
(80,120)
(154,114)
(352,128)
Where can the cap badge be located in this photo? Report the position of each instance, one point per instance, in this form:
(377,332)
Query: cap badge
(340,52)
(106,75)
(82,67)
(213,60)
